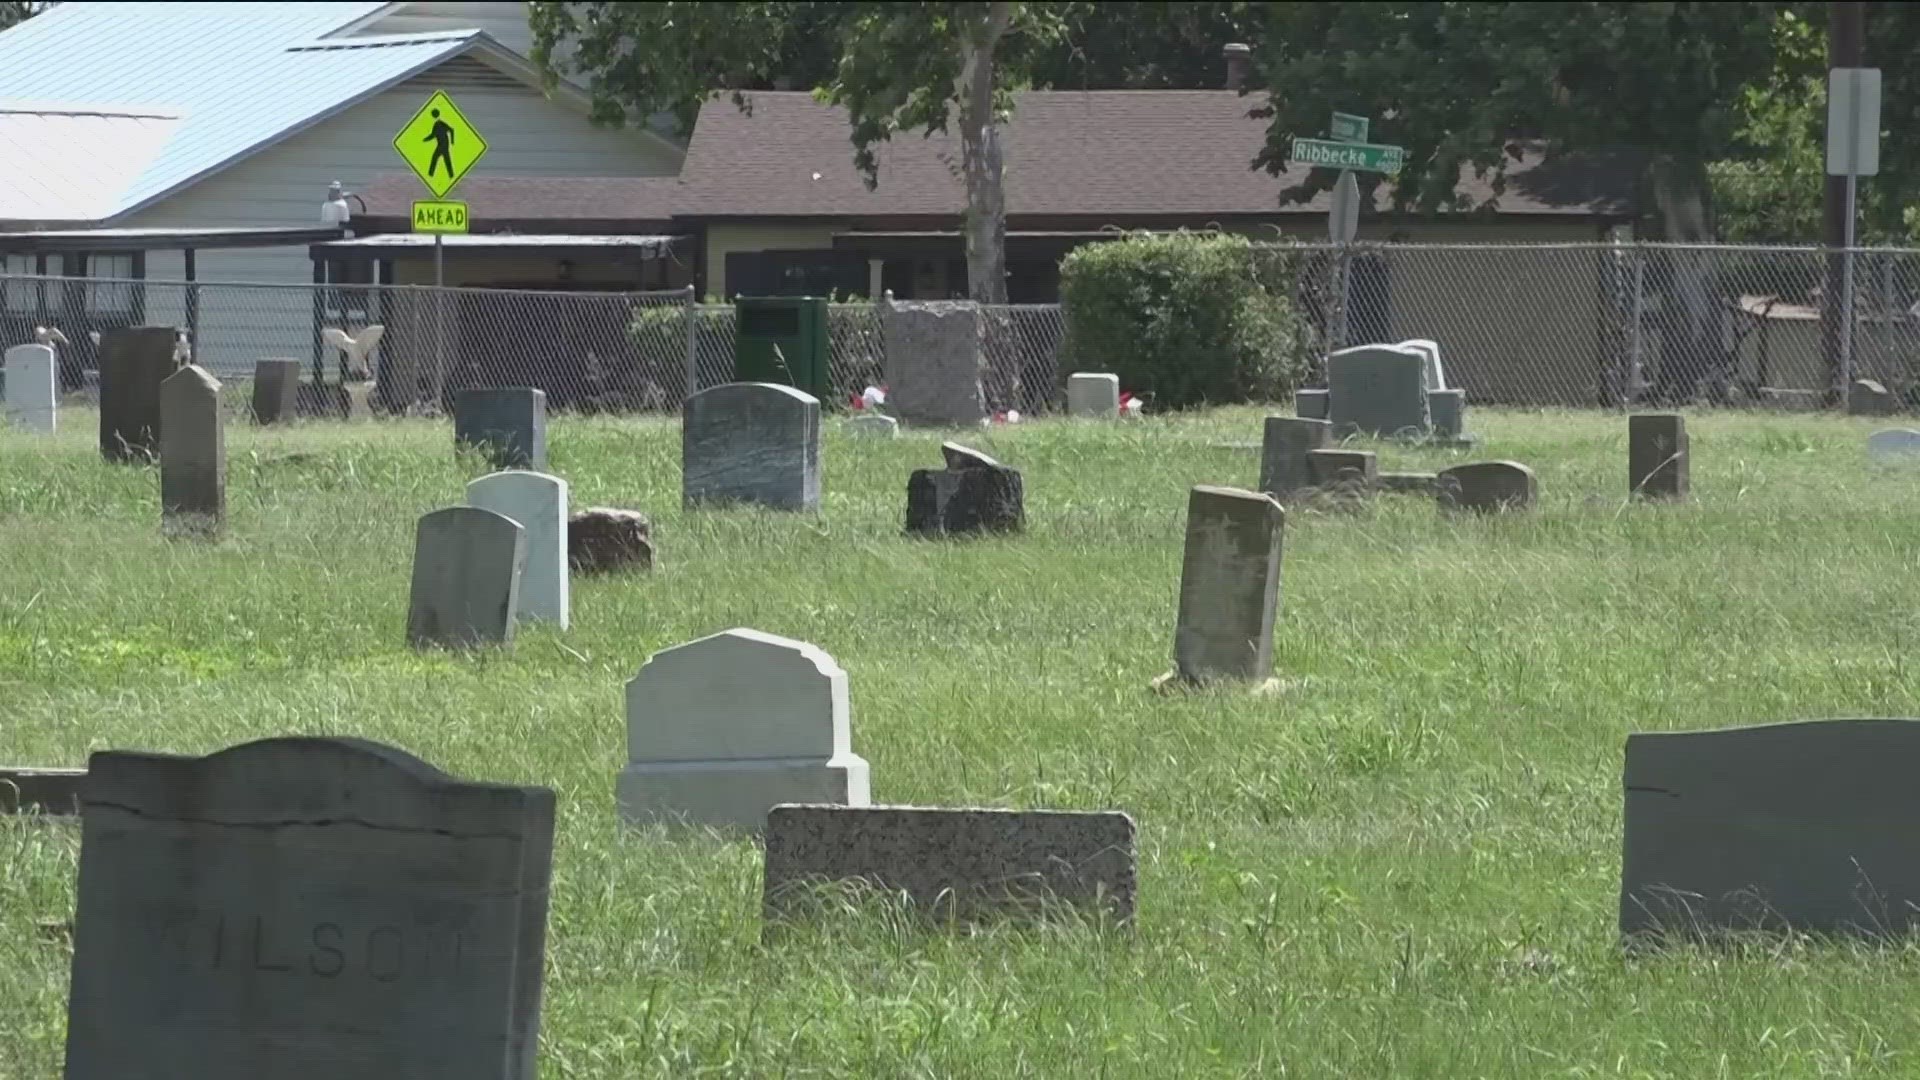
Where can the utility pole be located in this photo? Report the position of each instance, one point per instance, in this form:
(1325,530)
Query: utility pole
(1846,48)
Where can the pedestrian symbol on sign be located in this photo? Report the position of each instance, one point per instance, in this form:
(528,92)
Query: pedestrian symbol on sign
(439,144)
(442,139)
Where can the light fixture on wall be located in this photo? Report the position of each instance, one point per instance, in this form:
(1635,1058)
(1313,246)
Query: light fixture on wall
(335,211)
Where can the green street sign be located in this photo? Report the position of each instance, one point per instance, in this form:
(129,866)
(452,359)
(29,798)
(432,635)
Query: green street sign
(1348,128)
(1365,157)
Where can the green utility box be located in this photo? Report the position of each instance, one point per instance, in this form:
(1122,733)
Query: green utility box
(782,339)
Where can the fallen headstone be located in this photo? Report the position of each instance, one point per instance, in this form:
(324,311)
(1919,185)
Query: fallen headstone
(1867,397)
(32,388)
(29,790)
(134,361)
(1418,483)
(1657,456)
(1285,443)
(1487,485)
(873,426)
(1093,395)
(276,390)
(539,503)
(466,578)
(602,539)
(193,449)
(507,424)
(1894,445)
(1229,587)
(973,494)
(756,443)
(936,359)
(1788,400)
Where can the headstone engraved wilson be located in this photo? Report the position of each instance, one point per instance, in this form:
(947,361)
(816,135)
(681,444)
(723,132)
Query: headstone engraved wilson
(306,909)
(1229,586)
(134,361)
(193,448)
(751,443)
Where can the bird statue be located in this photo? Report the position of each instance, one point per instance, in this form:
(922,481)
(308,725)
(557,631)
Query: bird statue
(49,335)
(357,349)
(182,349)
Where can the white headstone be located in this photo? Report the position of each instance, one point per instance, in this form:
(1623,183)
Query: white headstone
(1093,394)
(1895,445)
(539,503)
(874,426)
(32,390)
(1436,376)
(723,729)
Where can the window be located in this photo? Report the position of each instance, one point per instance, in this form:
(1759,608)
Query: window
(111,293)
(18,294)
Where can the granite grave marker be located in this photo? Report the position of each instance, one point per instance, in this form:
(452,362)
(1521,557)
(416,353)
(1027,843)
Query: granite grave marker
(1487,486)
(508,424)
(973,494)
(1657,456)
(276,390)
(134,361)
(32,389)
(1284,444)
(936,357)
(539,503)
(1229,586)
(193,448)
(755,443)
(467,564)
(1378,390)
(1093,395)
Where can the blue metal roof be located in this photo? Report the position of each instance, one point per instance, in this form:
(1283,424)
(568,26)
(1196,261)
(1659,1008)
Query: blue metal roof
(241,76)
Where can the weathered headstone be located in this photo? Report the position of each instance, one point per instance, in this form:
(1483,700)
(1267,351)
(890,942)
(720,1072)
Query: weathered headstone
(1804,825)
(967,864)
(1353,467)
(1229,586)
(751,443)
(1867,397)
(1894,445)
(28,790)
(722,729)
(601,539)
(1430,351)
(32,388)
(1449,410)
(1787,400)
(1310,404)
(466,578)
(306,909)
(1284,445)
(1419,483)
(1657,456)
(539,503)
(973,494)
(1487,485)
(936,358)
(506,423)
(134,361)
(1378,390)
(193,448)
(873,426)
(276,390)
(1094,395)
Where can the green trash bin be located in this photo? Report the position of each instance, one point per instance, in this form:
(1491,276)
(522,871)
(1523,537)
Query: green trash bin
(782,339)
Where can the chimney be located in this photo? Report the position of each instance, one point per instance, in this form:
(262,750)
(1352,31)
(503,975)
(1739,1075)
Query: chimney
(1237,56)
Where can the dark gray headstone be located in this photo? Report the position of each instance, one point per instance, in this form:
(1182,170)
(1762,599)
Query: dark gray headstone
(276,390)
(966,457)
(467,564)
(753,443)
(26,790)
(1657,456)
(306,909)
(193,447)
(1285,441)
(1229,586)
(1449,410)
(134,361)
(1487,485)
(506,423)
(1310,404)
(954,863)
(1805,825)
(1360,467)
(973,494)
(1867,397)
(1378,390)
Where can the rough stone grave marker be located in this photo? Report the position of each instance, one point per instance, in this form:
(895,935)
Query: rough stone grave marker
(32,388)
(1803,825)
(722,729)
(539,503)
(276,390)
(753,443)
(1487,485)
(193,449)
(467,564)
(973,494)
(953,863)
(936,358)
(134,361)
(1894,445)
(1094,395)
(306,909)
(1229,587)
(506,423)
(1378,390)
(1284,445)
(1657,456)
(602,539)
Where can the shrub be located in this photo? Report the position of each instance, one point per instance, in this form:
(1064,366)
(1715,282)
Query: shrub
(1191,318)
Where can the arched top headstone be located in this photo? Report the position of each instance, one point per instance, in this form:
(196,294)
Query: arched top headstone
(1894,444)
(751,443)
(1378,390)
(1487,485)
(1436,375)
(466,577)
(762,394)
(739,694)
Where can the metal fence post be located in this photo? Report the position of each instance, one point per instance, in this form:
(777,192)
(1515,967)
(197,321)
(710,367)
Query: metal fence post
(1635,371)
(693,344)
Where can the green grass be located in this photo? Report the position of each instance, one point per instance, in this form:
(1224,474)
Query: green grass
(1406,864)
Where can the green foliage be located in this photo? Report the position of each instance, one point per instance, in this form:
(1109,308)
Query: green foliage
(1194,319)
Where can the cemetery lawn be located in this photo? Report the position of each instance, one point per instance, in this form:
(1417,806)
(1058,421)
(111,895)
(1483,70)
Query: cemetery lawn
(1406,864)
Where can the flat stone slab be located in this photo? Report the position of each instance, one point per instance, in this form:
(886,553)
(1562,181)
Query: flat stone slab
(966,864)
(873,426)
(538,502)
(1310,404)
(1898,445)
(193,448)
(1867,397)
(1361,467)
(1417,483)
(276,390)
(133,363)
(1380,391)
(1487,486)
(29,790)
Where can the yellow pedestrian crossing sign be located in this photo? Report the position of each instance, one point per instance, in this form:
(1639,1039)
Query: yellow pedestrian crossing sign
(439,144)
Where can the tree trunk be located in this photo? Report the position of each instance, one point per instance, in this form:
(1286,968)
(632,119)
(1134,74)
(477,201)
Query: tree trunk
(981,161)
(1692,345)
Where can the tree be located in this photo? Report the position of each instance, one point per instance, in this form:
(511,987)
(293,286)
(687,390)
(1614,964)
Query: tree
(13,12)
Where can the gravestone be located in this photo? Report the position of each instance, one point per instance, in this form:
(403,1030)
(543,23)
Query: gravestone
(1378,390)
(539,503)
(32,388)
(306,909)
(973,494)
(506,423)
(953,863)
(1229,586)
(1894,445)
(1429,350)
(28,790)
(276,390)
(193,448)
(722,729)
(1420,483)
(1804,825)
(1093,395)
(601,539)
(1487,485)
(1866,397)
(1360,467)
(466,578)
(134,361)
(936,358)
(1658,464)
(1449,411)
(1284,444)
(755,443)
(873,426)
(1310,404)
(1787,400)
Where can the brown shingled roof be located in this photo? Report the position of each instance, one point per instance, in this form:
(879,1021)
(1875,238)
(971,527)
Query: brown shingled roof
(638,199)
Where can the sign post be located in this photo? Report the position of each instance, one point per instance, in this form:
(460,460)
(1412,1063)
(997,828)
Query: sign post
(1347,151)
(1853,151)
(441,147)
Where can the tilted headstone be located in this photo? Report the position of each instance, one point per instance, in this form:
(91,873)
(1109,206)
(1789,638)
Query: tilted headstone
(973,494)
(466,578)
(1229,586)
(193,447)
(1867,397)
(1310,404)
(722,729)
(134,361)
(1805,825)
(1657,456)
(506,423)
(32,388)
(1378,390)
(968,864)
(1895,445)
(755,443)
(306,909)
(539,503)
(936,358)
(1487,485)
(276,390)
(1359,467)
(873,426)
(1284,445)
(1094,395)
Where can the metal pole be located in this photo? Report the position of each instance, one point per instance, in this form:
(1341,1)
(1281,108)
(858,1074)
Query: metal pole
(1846,298)
(1846,48)
(439,322)
(693,345)
(1630,392)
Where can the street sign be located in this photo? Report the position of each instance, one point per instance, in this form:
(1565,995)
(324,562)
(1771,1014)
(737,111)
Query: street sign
(439,144)
(440,217)
(1349,128)
(1343,218)
(1366,157)
(1853,122)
